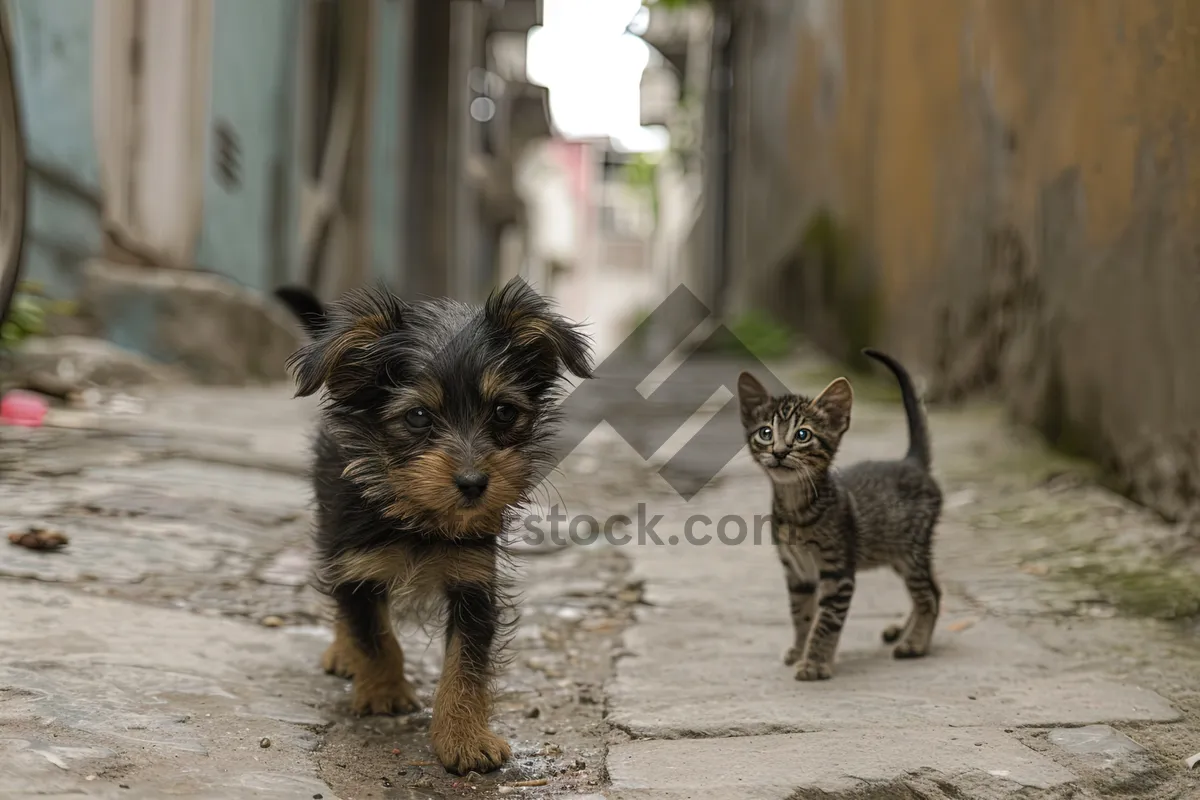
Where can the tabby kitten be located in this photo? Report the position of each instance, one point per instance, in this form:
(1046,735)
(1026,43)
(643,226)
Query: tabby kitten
(828,523)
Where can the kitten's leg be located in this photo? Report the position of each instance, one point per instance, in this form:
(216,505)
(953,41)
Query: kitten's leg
(894,633)
(836,589)
(927,600)
(802,601)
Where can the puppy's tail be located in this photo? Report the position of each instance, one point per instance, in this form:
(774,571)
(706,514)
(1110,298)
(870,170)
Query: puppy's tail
(918,428)
(305,305)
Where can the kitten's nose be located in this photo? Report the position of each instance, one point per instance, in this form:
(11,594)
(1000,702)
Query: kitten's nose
(471,483)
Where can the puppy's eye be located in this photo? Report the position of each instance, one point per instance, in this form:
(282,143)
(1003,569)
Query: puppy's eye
(418,419)
(803,435)
(504,413)
(764,434)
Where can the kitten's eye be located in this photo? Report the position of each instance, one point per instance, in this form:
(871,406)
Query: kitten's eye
(803,435)
(764,434)
(504,413)
(418,419)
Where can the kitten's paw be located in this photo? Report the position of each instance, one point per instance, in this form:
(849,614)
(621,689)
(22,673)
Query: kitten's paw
(892,634)
(814,671)
(910,650)
(793,655)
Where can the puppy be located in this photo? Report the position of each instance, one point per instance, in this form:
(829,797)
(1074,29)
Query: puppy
(435,425)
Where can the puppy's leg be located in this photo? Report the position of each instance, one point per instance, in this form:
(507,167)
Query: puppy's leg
(462,740)
(365,648)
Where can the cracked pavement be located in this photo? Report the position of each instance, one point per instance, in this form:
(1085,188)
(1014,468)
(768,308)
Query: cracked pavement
(170,650)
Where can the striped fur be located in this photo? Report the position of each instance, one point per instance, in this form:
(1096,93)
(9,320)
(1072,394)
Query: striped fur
(829,524)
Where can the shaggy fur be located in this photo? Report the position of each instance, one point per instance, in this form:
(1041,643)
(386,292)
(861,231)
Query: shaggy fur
(828,524)
(435,424)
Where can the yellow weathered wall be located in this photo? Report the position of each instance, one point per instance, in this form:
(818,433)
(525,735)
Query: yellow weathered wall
(1013,198)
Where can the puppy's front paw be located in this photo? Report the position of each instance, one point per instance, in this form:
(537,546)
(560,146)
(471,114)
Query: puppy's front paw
(476,751)
(814,671)
(793,655)
(394,695)
(337,661)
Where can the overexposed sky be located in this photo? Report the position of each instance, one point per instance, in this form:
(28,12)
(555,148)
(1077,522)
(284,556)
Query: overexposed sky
(593,69)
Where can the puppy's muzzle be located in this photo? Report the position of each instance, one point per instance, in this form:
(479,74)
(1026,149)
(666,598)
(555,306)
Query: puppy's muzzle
(471,484)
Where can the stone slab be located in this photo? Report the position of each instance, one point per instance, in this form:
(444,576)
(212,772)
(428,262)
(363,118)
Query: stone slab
(698,678)
(96,693)
(777,767)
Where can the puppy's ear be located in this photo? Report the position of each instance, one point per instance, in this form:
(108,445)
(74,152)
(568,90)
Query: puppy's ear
(344,357)
(525,316)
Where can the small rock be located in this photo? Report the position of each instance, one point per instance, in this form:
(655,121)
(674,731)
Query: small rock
(533,713)
(549,731)
(38,538)
(506,790)
(423,782)
(271,621)
(264,742)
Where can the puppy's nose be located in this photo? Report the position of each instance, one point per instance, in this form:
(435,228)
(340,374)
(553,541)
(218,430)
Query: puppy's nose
(471,483)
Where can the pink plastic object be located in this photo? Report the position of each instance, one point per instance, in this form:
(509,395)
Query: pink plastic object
(22,408)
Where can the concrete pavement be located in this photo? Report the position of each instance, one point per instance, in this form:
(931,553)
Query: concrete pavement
(1025,654)
(171,648)
(175,635)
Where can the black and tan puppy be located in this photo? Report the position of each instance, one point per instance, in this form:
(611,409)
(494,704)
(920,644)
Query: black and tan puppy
(435,425)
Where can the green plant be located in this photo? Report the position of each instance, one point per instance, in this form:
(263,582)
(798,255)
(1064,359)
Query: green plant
(641,173)
(762,335)
(28,312)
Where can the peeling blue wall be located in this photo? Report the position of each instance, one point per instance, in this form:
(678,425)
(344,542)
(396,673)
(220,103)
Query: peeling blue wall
(249,228)
(53,43)
(388,137)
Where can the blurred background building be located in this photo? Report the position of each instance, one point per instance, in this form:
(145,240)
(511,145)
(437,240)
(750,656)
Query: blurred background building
(216,149)
(1000,192)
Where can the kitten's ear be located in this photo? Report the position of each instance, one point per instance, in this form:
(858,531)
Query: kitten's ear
(343,357)
(751,395)
(835,401)
(526,316)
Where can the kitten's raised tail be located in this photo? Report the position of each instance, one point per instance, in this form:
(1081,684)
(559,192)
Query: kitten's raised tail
(918,429)
(305,305)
